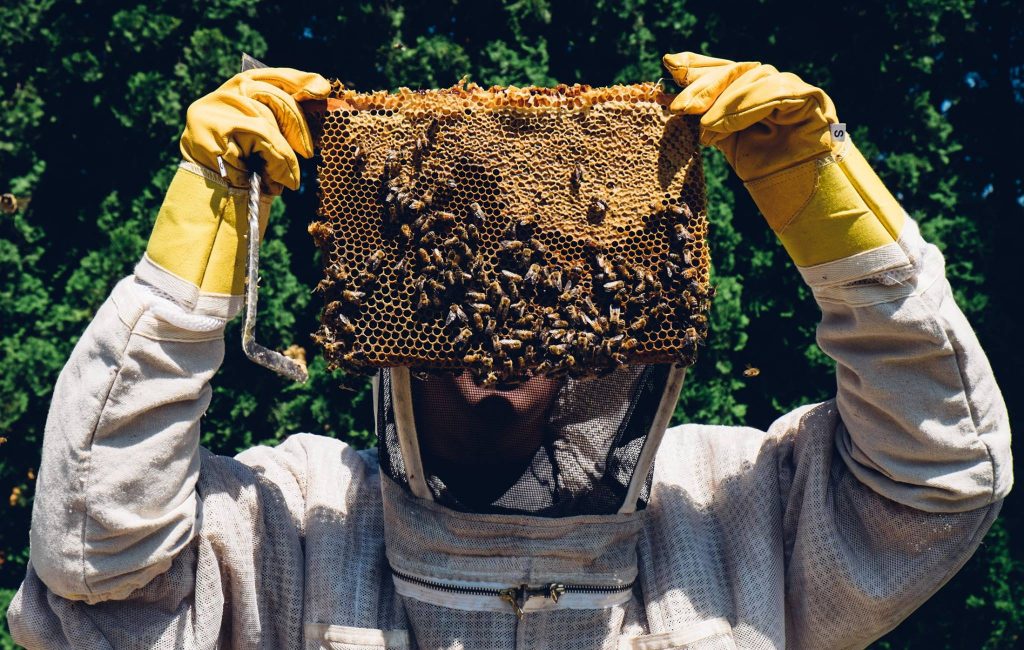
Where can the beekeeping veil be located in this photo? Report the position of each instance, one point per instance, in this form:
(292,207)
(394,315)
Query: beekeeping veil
(548,448)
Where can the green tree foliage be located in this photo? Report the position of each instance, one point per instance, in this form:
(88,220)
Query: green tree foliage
(93,97)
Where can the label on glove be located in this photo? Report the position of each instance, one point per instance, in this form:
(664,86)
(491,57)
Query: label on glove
(224,172)
(838,132)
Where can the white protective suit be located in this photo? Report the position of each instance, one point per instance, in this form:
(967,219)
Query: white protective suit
(823,532)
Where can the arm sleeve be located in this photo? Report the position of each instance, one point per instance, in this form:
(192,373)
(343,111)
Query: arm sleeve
(116,499)
(888,490)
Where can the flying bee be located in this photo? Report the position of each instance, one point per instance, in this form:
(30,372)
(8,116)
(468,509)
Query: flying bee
(682,233)
(597,210)
(477,213)
(353,297)
(373,261)
(577,176)
(455,313)
(751,371)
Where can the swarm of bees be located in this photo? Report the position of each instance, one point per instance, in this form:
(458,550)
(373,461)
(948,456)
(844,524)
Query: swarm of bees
(433,259)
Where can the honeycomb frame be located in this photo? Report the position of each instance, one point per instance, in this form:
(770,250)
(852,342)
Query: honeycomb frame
(509,231)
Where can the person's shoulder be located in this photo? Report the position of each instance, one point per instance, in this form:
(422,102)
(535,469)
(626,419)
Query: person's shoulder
(708,449)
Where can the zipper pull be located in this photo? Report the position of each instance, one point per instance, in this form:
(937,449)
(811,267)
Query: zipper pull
(554,591)
(510,596)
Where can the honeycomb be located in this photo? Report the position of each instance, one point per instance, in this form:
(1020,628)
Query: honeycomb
(509,232)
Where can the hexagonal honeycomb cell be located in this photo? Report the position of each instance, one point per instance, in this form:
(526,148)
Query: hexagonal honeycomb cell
(510,232)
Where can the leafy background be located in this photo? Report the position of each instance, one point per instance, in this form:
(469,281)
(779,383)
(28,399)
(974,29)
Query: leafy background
(93,98)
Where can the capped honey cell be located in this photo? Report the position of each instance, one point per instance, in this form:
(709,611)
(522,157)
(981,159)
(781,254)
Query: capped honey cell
(509,232)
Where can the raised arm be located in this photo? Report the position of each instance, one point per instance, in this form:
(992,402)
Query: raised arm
(887,490)
(116,499)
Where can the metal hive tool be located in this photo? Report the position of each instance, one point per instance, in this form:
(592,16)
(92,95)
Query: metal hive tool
(510,231)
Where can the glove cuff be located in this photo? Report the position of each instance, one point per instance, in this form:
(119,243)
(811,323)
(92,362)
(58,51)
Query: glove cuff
(830,209)
(197,251)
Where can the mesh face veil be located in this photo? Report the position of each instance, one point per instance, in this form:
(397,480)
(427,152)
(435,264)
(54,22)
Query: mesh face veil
(549,448)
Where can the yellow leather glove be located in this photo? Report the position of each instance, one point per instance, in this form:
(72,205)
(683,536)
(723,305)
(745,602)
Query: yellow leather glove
(198,247)
(821,198)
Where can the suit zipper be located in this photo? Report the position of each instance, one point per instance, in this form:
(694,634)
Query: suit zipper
(516,597)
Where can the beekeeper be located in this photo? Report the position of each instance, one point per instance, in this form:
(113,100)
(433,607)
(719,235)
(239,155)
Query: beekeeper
(530,518)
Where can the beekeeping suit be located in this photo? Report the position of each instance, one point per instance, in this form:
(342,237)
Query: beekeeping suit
(824,531)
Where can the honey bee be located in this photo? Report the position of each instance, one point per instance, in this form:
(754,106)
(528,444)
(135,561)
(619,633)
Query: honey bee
(392,164)
(597,210)
(353,297)
(472,234)
(682,233)
(638,324)
(423,302)
(415,205)
(405,232)
(509,344)
(490,380)
(512,276)
(538,246)
(474,359)
(682,211)
(321,231)
(477,213)
(532,275)
(347,327)
(751,371)
(613,286)
(480,307)
(444,217)
(422,256)
(358,157)
(558,350)
(511,245)
(477,322)
(690,273)
(373,261)
(577,176)
(455,313)
(554,280)
(628,344)
(436,257)
(524,335)
(476,296)
(503,306)
(463,338)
